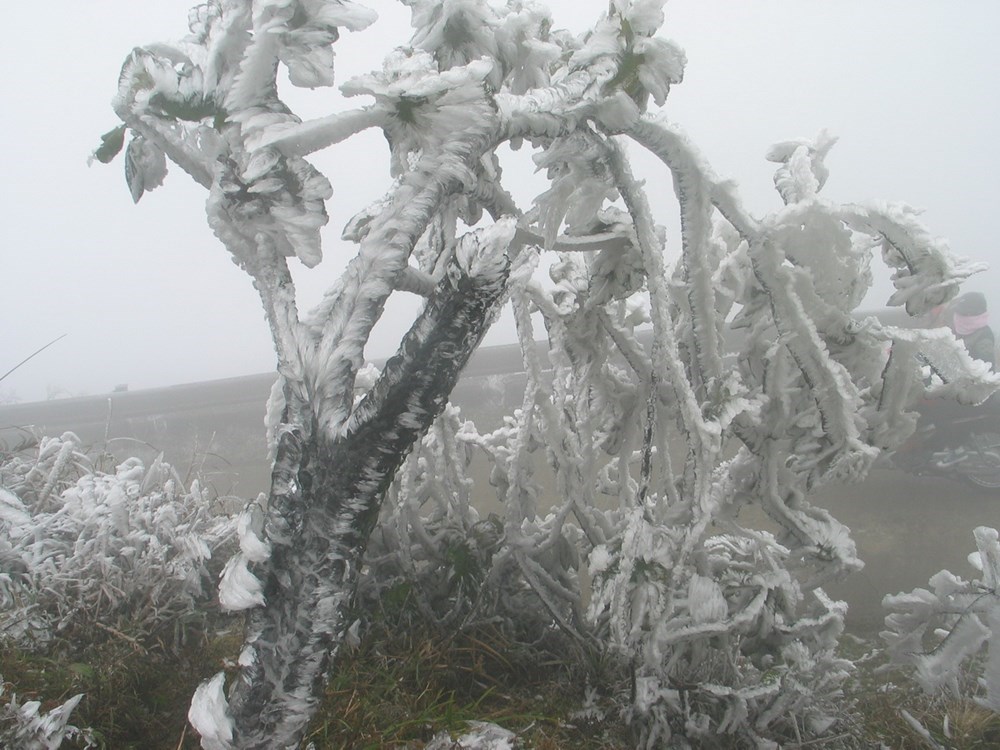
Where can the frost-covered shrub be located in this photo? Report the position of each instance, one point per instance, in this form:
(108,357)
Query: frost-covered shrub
(86,547)
(631,479)
(652,500)
(723,649)
(942,631)
(26,727)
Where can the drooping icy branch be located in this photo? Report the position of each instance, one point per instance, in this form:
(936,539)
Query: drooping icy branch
(665,354)
(832,386)
(830,382)
(963,378)
(667,143)
(694,185)
(926,272)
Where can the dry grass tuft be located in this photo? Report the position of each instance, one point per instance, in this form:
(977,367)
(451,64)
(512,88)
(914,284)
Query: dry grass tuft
(399,689)
(136,689)
(883,693)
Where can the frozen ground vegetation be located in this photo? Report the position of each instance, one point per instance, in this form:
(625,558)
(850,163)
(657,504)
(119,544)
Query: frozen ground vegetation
(83,546)
(675,534)
(952,629)
(86,549)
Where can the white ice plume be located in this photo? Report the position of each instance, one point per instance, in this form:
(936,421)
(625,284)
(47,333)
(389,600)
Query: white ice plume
(239,588)
(209,714)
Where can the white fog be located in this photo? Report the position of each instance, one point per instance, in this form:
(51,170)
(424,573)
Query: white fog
(146,296)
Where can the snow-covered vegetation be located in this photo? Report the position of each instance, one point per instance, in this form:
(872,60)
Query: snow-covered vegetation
(25,726)
(84,549)
(645,551)
(82,546)
(943,632)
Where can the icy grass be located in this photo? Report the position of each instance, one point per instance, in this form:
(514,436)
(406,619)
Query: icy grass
(399,690)
(86,548)
(894,711)
(106,578)
(108,623)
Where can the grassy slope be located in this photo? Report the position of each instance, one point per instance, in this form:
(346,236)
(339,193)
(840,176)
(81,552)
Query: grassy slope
(399,688)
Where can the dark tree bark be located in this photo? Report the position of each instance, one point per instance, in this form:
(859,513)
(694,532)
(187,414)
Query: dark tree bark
(325,499)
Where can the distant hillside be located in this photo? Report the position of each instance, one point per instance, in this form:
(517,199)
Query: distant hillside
(216,427)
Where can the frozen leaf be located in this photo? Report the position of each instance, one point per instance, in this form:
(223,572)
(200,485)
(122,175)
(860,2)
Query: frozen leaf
(112,143)
(988,544)
(209,714)
(249,528)
(425,107)
(12,511)
(706,602)
(803,172)
(145,167)
(662,66)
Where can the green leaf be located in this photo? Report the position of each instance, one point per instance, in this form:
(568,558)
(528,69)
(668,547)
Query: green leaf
(83,670)
(111,144)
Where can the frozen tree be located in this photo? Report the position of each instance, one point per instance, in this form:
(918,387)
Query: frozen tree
(655,451)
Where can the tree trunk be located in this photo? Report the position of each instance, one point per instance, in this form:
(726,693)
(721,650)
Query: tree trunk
(325,499)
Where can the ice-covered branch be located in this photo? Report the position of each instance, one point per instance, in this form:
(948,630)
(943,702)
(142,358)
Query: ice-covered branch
(674,149)
(665,353)
(304,138)
(333,493)
(926,272)
(345,318)
(694,184)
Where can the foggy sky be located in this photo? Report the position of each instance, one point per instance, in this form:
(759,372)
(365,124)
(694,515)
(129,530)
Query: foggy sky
(148,297)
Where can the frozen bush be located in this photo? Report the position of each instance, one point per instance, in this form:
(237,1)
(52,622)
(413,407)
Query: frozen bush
(942,631)
(84,547)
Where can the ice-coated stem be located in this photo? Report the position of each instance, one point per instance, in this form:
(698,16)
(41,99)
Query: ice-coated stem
(346,317)
(325,497)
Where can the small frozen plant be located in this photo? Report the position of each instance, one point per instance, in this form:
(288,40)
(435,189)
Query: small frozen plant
(87,547)
(943,631)
(25,726)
